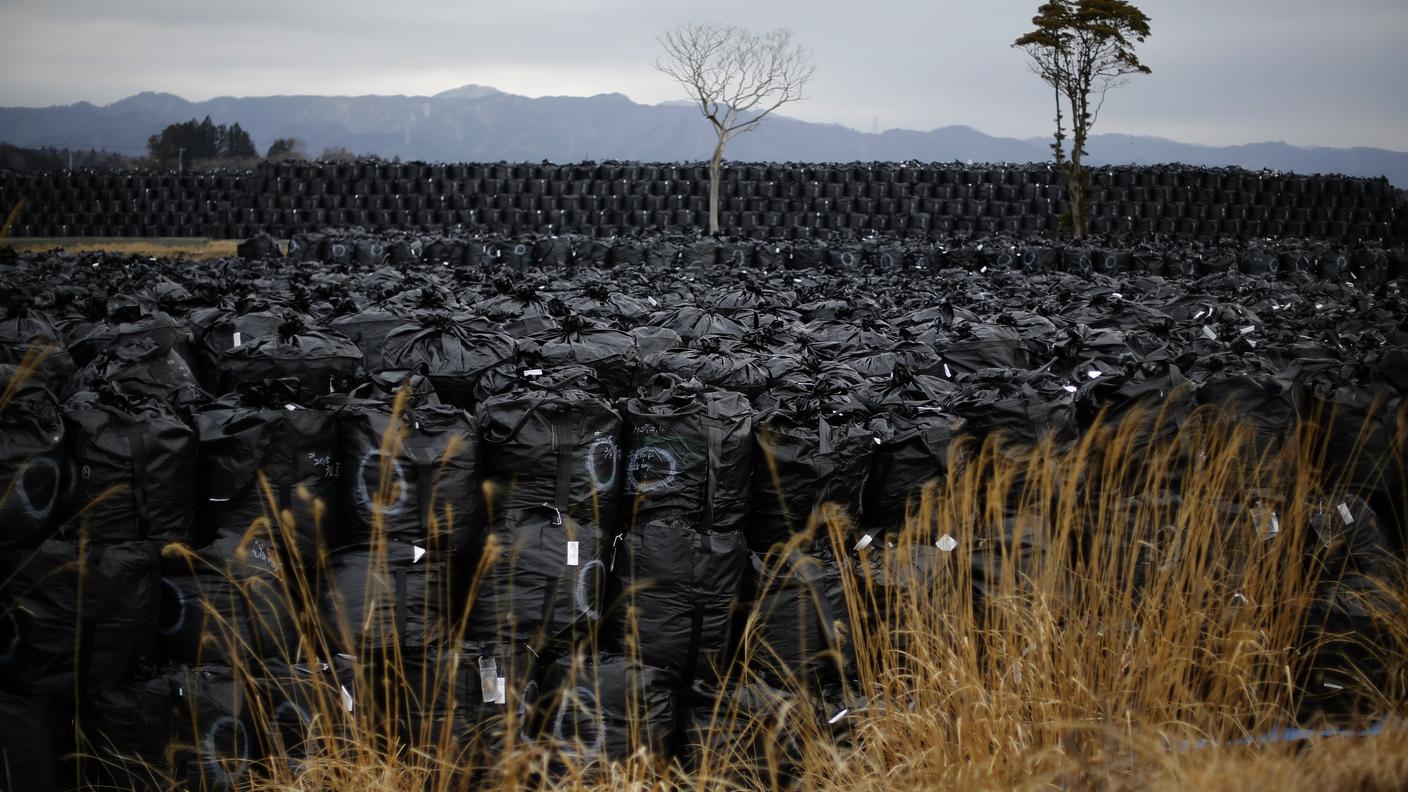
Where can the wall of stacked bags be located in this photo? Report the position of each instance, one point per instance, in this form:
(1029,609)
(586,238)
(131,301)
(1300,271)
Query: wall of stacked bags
(598,455)
(793,201)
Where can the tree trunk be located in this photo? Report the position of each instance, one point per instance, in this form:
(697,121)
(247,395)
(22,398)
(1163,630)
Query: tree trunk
(1080,210)
(714,167)
(1075,187)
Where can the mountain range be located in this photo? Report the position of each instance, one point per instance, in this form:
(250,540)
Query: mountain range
(478,123)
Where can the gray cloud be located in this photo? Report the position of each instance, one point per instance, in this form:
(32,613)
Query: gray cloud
(1303,71)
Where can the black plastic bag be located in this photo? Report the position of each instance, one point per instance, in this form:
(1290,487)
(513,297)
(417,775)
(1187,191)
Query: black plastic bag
(611,353)
(29,335)
(675,592)
(227,603)
(689,456)
(430,482)
(800,622)
(295,450)
(30,733)
(135,470)
(32,460)
(385,598)
(322,362)
(805,458)
(608,707)
(450,352)
(84,614)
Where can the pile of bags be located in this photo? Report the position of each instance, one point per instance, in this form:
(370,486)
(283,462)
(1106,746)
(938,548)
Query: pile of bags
(561,479)
(796,201)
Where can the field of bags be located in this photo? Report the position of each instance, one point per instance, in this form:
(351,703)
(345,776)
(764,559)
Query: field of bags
(589,490)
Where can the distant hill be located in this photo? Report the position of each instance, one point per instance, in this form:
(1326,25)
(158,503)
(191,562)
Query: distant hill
(478,123)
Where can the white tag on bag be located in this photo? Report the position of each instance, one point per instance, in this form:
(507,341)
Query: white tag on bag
(489,680)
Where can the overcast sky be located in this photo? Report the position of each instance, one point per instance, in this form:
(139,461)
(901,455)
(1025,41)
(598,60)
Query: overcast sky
(1309,72)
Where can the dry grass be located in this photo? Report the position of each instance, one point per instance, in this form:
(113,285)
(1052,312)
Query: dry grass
(1111,637)
(1371,764)
(158,248)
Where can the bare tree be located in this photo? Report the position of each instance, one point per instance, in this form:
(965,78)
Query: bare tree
(1082,49)
(737,77)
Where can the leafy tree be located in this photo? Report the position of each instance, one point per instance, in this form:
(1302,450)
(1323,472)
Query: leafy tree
(1082,49)
(737,77)
(286,148)
(200,140)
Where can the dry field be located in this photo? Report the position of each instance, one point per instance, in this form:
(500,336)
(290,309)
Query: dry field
(161,248)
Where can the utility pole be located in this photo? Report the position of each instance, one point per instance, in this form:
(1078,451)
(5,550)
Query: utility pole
(70,158)
(180,160)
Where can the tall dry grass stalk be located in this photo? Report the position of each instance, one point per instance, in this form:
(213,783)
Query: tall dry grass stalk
(1116,612)
(13,218)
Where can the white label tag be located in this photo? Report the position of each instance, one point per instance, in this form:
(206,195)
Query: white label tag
(838,716)
(501,689)
(864,542)
(947,373)
(1248,330)
(290,407)
(489,679)
(236,340)
(572,554)
(532,372)
(417,553)
(347,702)
(1210,333)
(946,543)
(1345,514)
(1275,527)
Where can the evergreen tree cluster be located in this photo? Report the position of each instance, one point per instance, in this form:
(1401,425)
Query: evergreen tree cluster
(201,140)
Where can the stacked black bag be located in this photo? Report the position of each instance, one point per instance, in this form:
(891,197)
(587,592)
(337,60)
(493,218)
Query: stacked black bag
(680,560)
(553,470)
(270,463)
